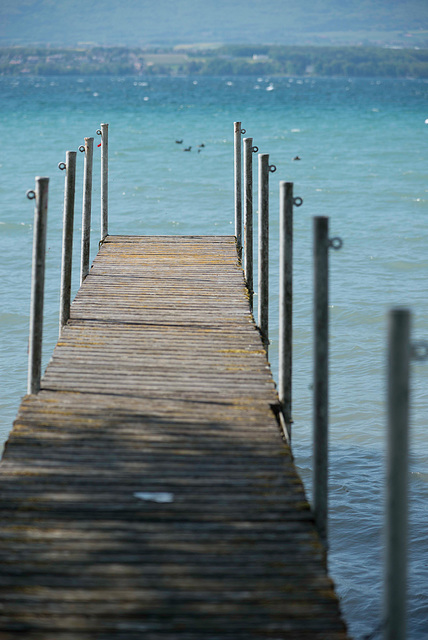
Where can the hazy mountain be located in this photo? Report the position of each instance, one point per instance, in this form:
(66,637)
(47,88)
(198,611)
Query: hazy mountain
(143,22)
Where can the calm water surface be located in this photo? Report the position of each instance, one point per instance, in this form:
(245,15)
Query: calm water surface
(364,162)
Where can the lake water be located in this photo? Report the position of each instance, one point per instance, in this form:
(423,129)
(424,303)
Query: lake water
(363,146)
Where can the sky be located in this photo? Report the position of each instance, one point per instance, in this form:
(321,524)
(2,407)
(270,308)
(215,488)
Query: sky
(175,22)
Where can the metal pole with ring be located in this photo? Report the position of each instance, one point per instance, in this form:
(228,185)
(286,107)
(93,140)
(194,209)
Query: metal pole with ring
(69,166)
(88,150)
(103,132)
(322,243)
(286,203)
(248,216)
(40,196)
(263,235)
(238,132)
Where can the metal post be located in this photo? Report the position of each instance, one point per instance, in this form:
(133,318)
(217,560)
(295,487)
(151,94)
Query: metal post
(67,236)
(87,205)
(248,216)
(238,185)
(320,386)
(103,132)
(40,195)
(397,475)
(285,299)
(263,235)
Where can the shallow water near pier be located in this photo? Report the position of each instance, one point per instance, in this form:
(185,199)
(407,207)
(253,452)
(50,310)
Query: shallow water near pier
(363,146)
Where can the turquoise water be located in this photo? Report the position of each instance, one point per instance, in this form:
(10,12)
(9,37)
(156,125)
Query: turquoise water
(364,151)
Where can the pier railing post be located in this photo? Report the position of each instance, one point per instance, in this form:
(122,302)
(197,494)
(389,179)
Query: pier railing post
(320,385)
(285,359)
(40,195)
(103,132)
(263,255)
(322,243)
(87,206)
(286,203)
(67,236)
(248,216)
(397,473)
(238,131)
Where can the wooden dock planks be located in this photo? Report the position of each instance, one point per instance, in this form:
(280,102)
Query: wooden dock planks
(146,491)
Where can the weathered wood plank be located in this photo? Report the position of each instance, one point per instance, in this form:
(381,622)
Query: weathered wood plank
(147,490)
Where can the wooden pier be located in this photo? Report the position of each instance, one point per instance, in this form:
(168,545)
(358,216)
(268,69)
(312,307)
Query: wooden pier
(147,490)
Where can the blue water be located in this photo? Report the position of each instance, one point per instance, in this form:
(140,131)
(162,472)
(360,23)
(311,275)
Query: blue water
(364,150)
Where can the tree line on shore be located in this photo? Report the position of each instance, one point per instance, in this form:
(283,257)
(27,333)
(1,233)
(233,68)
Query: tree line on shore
(227,60)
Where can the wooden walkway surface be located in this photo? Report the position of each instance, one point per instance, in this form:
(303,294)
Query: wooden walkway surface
(146,491)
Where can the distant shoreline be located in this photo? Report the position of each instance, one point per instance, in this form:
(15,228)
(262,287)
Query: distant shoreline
(225,60)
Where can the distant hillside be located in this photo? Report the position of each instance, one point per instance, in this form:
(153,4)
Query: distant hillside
(169,22)
(227,60)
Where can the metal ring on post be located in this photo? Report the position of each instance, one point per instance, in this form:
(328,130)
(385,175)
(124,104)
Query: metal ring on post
(98,132)
(31,194)
(62,166)
(272,168)
(298,201)
(82,148)
(419,350)
(243,131)
(254,149)
(335,243)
